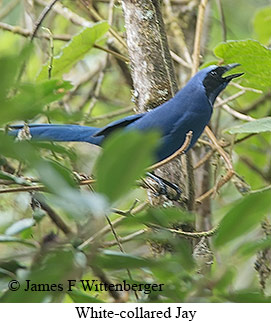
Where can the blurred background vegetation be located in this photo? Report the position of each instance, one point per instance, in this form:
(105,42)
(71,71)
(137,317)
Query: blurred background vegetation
(76,71)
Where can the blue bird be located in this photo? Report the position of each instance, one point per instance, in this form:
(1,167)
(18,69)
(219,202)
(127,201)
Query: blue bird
(189,110)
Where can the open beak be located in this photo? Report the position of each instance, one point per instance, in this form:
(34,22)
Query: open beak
(233,76)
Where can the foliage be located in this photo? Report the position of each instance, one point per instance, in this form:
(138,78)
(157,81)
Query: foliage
(257,126)
(254,58)
(66,232)
(75,50)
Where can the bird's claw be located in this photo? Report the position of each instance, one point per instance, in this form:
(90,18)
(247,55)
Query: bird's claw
(177,190)
(163,183)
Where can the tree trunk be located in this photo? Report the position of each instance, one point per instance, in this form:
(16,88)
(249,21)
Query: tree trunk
(153,74)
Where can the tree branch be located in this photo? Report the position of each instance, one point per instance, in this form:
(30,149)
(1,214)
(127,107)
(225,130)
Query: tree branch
(42,16)
(198,35)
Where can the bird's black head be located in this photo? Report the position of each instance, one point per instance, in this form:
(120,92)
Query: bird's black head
(214,82)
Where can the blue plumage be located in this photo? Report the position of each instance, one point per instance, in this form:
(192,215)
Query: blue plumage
(190,109)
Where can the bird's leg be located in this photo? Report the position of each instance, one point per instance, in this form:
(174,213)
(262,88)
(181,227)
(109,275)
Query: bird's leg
(173,186)
(160,182)
(163,183)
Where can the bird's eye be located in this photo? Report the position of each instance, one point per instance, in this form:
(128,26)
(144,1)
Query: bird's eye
(213,73)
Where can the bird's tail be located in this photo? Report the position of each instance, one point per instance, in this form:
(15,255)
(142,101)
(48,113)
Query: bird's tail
(51,132)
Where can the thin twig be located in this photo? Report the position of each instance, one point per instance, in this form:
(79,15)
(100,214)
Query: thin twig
(228,163)
(257,103)
(113,53)
(228,109)
(199,234)
(223,20)
(181,150)
(225,179)
(111,12)
(80,21)
(260,190)
(236,114)
(211,152)
(110,115)
(53,215)
(220,102)
(204,159)
(127,238)
(98,17)
(97,88)
(206,143)
(51,54)
(177,34)
(128,212)
(255,168)
(191,182)
(99,82)
(118,242)
(100,233)
(219,148)
(42,16)
(67,14)
(86,78)
(198,35)
(107,228)
(41,188)
(26,33)
(6,238)
(246,88)
(179,60)
(38,23)
(105,280)
(238,141)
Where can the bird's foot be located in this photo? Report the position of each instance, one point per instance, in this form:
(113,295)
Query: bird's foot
(160,182)
(163,184)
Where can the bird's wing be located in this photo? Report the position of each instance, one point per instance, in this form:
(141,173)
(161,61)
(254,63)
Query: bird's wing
(179,129)
(118,124)
(190,121)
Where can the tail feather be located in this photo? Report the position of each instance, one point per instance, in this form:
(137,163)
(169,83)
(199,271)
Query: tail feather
(53,132)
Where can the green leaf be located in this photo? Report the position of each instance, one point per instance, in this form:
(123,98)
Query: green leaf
(247,296)
(15,179)
(251,248)
(75,50)
(55,176)
(243,217)
(167,217)
(255,60)
(124,159)
(20,226)
(256,126)
(23,101)
(52,271)
(54,147)
(21,150)
(9,67)
(80,205)
(9,266)
(31,98)
(118,260)
(79,297)
(7,239)
(226,280)
(262,25)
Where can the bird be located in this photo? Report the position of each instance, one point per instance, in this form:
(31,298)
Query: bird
(189,110)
